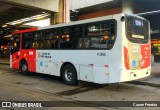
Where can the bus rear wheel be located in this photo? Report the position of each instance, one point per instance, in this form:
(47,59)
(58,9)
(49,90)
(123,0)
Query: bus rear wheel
(24,68)
(69,75)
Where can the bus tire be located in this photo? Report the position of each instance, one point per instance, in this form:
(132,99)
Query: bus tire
(69,75)
(24,68)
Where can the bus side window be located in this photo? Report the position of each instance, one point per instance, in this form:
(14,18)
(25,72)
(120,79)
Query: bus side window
(27,40)
(102,34)
(66,39)
(38,42)
(52,39)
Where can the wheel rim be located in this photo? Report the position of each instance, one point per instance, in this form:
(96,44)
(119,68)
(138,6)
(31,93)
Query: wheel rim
(24,67)
(68,75)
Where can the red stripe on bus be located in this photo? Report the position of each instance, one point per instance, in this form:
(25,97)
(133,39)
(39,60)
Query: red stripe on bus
(126,58)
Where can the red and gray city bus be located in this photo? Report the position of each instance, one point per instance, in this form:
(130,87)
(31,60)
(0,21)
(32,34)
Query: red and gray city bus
(102,50)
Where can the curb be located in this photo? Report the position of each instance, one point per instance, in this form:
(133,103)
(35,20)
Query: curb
(5,63)
(146,83)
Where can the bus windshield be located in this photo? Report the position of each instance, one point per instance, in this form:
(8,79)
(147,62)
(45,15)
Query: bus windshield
(137,29)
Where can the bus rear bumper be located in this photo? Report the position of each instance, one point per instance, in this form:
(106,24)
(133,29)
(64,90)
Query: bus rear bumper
(129,75)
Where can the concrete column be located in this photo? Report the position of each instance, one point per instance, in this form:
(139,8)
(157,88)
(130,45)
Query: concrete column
(58,17)
(53,19)
(67,12)
(127,6)
(63,16)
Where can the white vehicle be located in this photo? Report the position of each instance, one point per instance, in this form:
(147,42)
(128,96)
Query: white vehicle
(102,50)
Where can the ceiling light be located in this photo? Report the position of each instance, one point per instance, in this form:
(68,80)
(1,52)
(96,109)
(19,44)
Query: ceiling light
(36,17)
(4,25)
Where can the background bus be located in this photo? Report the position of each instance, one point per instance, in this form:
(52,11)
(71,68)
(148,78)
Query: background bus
(102,50)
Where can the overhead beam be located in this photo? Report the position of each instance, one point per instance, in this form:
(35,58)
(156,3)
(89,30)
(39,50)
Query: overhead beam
(20,15)
(50,5)
(5,7)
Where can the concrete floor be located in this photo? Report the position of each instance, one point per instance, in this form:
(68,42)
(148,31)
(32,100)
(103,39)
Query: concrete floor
(17,87)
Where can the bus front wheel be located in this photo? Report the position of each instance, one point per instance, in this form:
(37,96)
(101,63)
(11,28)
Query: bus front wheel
(69,75)
(24,68)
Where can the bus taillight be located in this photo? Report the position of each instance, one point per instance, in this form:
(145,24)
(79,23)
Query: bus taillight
(126,58)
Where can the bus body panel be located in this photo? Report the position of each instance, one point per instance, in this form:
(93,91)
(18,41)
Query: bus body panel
(139,65)
(146,56)
(29,55)
(17,56)
(15,59)
(115,57)
(49,61)
(92,63)
(139,55)
(128,75)
(136,59)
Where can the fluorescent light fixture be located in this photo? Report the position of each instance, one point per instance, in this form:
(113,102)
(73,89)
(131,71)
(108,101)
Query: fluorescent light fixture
(4,26)
(32,18)
(40,23)
(8,36)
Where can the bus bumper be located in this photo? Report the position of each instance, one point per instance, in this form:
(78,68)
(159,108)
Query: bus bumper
(129,75)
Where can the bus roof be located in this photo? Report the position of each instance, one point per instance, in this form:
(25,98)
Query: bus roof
(71,23)
(78,22)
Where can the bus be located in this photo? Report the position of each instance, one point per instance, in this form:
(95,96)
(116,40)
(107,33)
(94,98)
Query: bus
(109,49)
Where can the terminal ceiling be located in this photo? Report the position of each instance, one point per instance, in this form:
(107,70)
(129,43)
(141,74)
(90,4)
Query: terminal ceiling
(10,12)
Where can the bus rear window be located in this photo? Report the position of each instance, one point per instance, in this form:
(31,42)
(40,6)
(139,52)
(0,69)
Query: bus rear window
(137,29)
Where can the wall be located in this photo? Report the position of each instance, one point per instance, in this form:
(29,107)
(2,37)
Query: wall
(100,13)
(77,4)
(127,6)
